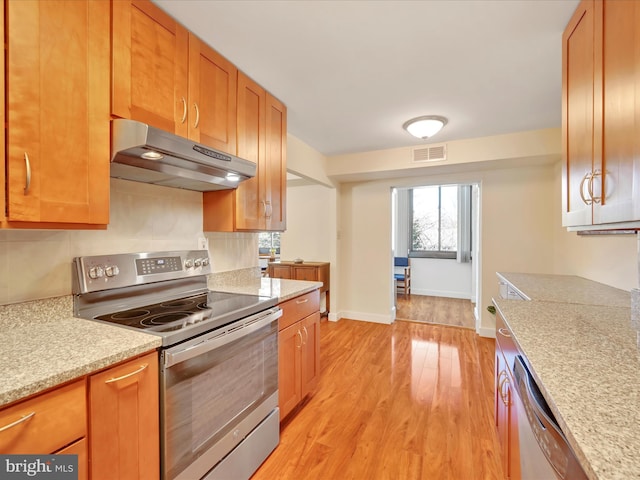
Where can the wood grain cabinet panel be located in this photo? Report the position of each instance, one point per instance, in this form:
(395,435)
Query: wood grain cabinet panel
(167,77)
(298,351)
(124,415)
(57,107)
(601,114)
(258,204)
(80,449)
(46,423)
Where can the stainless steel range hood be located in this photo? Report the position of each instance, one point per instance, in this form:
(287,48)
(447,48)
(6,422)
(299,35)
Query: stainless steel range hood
(143,153)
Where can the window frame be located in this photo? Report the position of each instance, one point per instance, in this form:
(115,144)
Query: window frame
(440,254)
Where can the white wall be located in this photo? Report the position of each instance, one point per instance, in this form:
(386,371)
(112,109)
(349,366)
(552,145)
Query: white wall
(441,278)
(609,259)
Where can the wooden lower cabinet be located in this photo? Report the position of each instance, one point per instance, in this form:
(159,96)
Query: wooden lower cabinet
(298,351)
(80,449)
(124,418)
(309,271)
(506,415)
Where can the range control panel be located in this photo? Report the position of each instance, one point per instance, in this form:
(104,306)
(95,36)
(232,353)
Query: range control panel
(104,272)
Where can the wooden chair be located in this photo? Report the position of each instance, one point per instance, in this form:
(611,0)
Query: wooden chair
(402,275)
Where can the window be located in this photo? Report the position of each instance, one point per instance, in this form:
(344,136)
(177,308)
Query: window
(268,241)
(433,221)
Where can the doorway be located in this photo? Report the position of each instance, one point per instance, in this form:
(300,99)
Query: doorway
(437,226)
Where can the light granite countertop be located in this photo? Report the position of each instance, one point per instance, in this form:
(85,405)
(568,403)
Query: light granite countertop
(566,289)
(43,345)
(585,356)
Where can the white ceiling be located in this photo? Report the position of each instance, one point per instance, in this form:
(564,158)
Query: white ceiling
(352,72)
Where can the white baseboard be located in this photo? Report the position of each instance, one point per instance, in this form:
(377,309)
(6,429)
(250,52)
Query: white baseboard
(365,317)
(441,293)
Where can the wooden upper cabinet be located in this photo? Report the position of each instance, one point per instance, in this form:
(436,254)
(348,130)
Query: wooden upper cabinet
(167,77)
(258,204)
(250,210)
(57,107)
(578,70)
(150,61)
(212,97)
(601,114)
(619,168)
(276,164)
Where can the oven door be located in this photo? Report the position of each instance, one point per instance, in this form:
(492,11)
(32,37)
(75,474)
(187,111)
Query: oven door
(215,389)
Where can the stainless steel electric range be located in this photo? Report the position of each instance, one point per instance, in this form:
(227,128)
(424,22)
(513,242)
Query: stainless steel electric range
(218,361)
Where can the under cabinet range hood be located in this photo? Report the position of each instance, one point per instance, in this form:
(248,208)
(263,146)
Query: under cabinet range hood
(146,154)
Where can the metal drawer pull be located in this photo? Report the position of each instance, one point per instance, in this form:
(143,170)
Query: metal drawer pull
(27,165)
(117,379)
(504,332)
(587,176)
(197,122)
(300,302)
(184,110)
(24,418)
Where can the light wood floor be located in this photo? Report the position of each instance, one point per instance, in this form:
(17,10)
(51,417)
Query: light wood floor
(444,311)
(403,401)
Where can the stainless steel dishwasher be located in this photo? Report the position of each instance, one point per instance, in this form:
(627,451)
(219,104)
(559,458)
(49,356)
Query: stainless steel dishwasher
(544,451)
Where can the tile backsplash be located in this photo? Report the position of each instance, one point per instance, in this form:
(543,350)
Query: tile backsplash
(37,263)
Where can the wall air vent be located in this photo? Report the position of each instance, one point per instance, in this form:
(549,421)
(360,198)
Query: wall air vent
(429,153)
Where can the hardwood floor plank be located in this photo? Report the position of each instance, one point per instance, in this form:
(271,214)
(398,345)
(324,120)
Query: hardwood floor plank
(402,401)
(440,310)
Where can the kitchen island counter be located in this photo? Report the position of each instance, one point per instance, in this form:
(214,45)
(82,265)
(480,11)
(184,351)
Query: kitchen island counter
(44,345)
(584,354)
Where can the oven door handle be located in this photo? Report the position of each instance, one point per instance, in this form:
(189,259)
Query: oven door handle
(220,337)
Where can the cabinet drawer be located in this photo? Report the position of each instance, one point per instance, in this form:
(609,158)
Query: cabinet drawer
(505,342)
(298,308)
(58,418)
(78,448)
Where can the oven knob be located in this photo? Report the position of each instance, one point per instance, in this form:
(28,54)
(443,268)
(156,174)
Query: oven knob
(96,272)
(112,271)
(188,263)
(198,262)
(205,262)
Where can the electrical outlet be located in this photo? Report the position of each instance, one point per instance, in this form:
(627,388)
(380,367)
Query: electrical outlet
(203,243)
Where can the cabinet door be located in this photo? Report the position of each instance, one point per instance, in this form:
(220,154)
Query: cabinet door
(310,327)
(212,97)
(124,416)
(78,448)
(305,273)
(150,61)
(502,411)
(250,205)
(289,368)
(619,171)
(275,169)
(280,271)
(58,111)
(578,74)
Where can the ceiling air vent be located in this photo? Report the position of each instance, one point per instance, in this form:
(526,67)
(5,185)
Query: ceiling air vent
(430,153)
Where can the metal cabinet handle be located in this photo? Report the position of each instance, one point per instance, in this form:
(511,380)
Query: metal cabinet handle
(300,335)
(27,165)
(184,110)
(306,335)
(300,302)
(596,173)
(197,122)
(264,207)
(503,395)
(24,418)
(268,210)
(504,332)
(588,176)
(135,372)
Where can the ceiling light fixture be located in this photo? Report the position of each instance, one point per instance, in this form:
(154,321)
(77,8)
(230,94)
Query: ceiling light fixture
(425,127)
